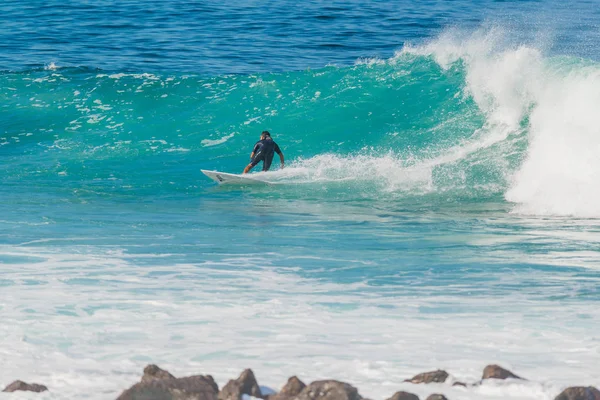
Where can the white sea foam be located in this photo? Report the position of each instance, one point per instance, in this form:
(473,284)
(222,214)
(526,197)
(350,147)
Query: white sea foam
(215,142)
(51,67)
(120,75)
(390,171)
(109,316)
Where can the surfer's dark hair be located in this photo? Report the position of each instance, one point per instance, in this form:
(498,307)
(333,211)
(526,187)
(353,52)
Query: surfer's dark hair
(265,133)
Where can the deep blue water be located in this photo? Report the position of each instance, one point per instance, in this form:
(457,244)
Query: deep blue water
(216,37)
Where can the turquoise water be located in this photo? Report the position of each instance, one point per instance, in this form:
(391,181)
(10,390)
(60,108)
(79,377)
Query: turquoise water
(438,209)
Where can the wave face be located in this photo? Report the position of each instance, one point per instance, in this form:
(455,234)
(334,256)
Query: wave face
(465,117)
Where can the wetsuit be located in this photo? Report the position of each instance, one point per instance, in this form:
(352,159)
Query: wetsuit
(263,151)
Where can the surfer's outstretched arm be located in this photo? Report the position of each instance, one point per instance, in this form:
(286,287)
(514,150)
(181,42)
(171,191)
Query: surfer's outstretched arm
(280,153)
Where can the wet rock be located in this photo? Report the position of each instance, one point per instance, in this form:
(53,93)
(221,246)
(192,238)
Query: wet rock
(579,393)
(153,372)
(438,376)
(404,396)
(292,388)
(245,384)
(20,385)
(329,390)
(497,372)
(437,397)
(198,387)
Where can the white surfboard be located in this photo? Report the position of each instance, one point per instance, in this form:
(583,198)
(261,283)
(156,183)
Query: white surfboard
(223,178)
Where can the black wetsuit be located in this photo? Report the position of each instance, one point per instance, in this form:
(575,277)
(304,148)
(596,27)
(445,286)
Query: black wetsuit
(263,151)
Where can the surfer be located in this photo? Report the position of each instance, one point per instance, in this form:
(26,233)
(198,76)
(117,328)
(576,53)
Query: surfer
(263,151)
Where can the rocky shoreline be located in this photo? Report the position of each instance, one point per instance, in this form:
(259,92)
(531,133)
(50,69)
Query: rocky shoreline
(158,384)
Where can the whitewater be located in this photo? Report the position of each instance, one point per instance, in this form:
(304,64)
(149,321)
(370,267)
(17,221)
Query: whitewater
(439,209)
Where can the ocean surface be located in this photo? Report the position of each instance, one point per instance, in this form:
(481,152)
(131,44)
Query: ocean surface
(440,205)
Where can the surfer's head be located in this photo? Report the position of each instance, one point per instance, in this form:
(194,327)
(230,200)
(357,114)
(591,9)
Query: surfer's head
(265,134)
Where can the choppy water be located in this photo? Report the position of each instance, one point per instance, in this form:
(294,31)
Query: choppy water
(439,208)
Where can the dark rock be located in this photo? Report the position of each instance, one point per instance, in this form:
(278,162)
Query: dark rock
(404,396)
(438,376)
(459,384)
(20,385)
(579,393)
(329,390)
(152,372)
(245,384)
(292,388)
(497,372)
(198,387)
(437,397)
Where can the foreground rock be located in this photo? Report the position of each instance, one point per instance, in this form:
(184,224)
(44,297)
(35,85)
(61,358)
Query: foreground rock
(198,387)
(153,372)
(438,376)
(437,397)
(329,390)
(293,387)
(579,393)
(245,384)
(20,385)
(497,372)
(404,396)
